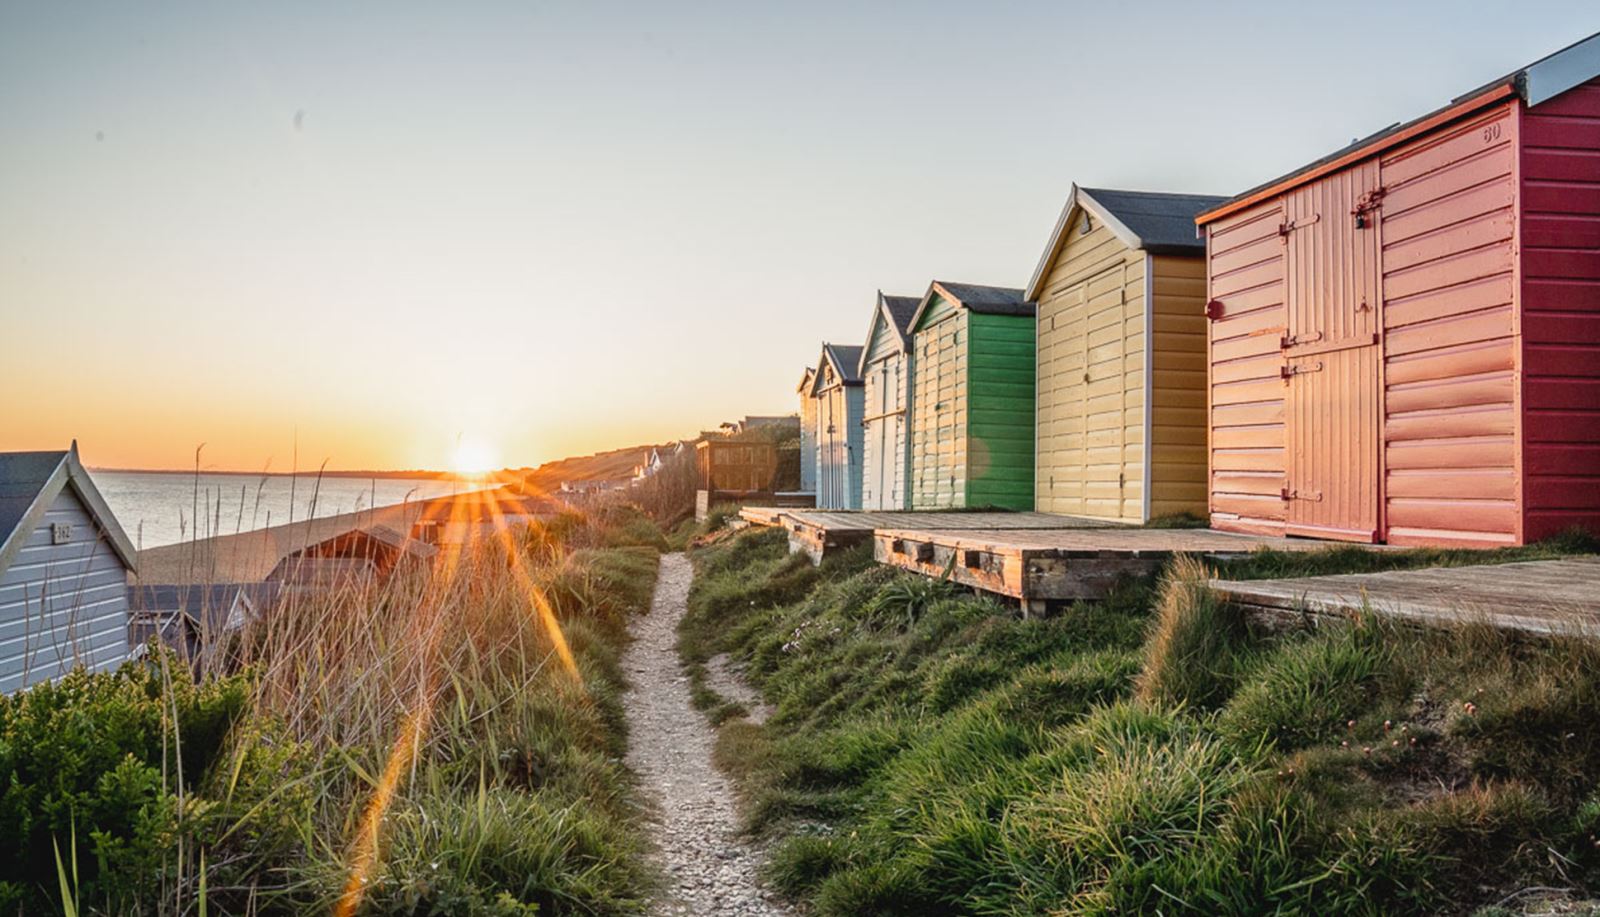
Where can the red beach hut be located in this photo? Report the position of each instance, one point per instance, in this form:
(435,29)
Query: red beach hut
(1404,336)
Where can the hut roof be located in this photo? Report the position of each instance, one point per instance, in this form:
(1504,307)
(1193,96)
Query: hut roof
(846,362)
(323,572)
(29,483)
(896,312)
(901,309)
(206,605)
(1158,222)
(1540,81)
(976,298)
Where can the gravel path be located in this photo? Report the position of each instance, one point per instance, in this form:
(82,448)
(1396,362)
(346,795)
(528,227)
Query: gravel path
(710,869)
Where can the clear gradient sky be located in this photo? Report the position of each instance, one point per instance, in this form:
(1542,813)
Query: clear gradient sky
(557,228)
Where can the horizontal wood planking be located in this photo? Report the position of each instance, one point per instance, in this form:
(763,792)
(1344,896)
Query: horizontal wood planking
(939,409)
(1246,458)
(1449,323)
(1548,596)
(1001,413)
(1091,377)
(1178,386)
(1561,321)
(62,605)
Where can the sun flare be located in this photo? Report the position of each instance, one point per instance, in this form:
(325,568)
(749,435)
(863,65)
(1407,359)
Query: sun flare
(474,457)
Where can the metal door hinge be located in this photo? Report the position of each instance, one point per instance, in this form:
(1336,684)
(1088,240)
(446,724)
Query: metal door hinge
(1290,340)
(1296,369)
(1310,496)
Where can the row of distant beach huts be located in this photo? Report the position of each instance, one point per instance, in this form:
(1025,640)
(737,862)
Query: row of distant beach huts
(1399,342)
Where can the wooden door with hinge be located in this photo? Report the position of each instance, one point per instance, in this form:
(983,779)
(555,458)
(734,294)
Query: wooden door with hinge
(1332,358)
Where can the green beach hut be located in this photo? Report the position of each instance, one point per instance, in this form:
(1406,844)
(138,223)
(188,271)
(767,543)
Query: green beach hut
(972,398)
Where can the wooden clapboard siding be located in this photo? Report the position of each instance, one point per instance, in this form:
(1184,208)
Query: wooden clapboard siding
(1560,186)
(1449,334)
(939,408)
(885,383)
(62,605)
(1090,410)
(1000,426)
(839,437)
(808,436)
(1246,394)
(1177,386)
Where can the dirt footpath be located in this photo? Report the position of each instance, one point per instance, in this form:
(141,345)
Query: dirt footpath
(710,869)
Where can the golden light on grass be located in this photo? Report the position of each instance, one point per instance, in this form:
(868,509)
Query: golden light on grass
(366,855)
(467,512)
(536,596)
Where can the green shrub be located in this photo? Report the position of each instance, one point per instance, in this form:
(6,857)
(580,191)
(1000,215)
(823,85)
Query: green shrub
(92,755)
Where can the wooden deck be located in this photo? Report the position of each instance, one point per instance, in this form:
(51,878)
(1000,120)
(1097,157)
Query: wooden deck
(763,515)
(1542,596)
(818,531)
(1057,565)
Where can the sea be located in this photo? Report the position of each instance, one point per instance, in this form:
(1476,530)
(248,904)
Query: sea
(162,507)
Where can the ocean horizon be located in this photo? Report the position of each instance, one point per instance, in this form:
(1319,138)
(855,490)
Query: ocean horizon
(158,508)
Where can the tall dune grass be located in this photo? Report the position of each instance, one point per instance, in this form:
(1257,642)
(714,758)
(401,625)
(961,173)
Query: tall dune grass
(414,745)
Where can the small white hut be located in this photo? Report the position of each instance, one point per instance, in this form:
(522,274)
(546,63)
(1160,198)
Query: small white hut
(886,376)
(64,565)
(837,391)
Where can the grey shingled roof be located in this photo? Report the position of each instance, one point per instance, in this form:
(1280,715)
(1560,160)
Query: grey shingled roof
(207,605)
(1161,223)
(30,481)
(846,360)
(986,299)
(903,309)
(22,476)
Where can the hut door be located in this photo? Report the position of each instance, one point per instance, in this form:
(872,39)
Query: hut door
(1330,357)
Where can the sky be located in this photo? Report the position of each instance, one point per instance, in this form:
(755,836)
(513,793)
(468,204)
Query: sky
(381,234)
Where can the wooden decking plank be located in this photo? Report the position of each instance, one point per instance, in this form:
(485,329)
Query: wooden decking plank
(871,521)
(1119,540)
(1544,596)
(1057,564)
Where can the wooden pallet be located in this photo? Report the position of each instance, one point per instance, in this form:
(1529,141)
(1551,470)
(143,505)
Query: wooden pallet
(762,515)
(1542,596)
(816,532)
(1057,565)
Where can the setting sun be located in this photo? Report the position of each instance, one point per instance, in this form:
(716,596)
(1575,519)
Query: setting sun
(474,457)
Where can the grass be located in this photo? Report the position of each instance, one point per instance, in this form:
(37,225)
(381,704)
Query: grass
(1266,564)
(417,746)
(935,753)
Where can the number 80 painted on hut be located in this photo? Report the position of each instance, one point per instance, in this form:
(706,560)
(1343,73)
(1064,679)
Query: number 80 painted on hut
(1404,337)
